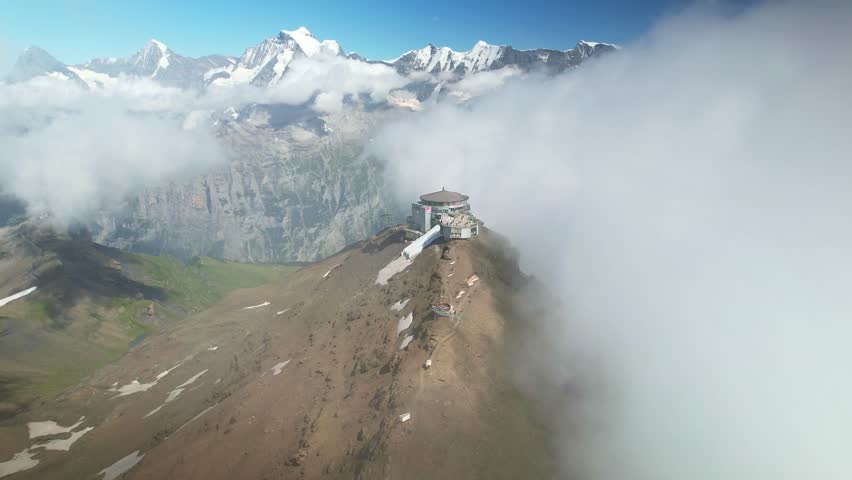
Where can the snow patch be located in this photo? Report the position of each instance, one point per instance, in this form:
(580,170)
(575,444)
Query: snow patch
(395,266)
(330,270)
(136,387)
(192,379)
(278,367)
(133,387)
(64,444)
(174,394)
(282,311)
(257,306)
(154,411)
(404,323)
(213,349)
(21,461)
(162,375)
(400,305)
(122,466)
(406,341)
(192,420)
(43,429)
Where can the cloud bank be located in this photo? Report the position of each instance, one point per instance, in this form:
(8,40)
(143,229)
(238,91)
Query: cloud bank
(72,152)
(324,81)
(687,201)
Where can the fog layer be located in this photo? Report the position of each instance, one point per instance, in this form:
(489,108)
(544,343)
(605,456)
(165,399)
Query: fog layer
(687,199)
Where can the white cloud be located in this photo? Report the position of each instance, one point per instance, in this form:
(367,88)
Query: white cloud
(687,201)
(337,77)
(73,152)
(326,80)
(482,83)
(139,94)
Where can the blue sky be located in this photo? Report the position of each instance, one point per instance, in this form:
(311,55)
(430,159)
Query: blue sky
(77,30)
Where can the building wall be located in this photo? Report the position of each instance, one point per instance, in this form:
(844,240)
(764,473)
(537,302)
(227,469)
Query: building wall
(421,216)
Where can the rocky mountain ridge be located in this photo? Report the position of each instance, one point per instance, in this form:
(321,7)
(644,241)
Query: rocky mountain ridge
(296,189)
(266,62)
(325,373)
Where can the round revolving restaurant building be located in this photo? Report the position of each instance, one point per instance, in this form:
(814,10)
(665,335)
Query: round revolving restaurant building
(449,209)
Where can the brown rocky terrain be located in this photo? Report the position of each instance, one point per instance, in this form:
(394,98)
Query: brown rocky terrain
(313,383)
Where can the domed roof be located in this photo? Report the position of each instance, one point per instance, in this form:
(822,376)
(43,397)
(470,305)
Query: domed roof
(444,196)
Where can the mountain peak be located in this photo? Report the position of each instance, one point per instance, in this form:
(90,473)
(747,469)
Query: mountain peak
(35,50)
(301,31)
(596,44)
(34,62)
(38,55)
(153,57)
(155,45)
(308,43)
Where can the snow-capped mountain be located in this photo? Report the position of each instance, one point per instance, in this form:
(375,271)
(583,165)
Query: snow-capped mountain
(35,62)
(155,60)
(434,59)
(483,57)
(267,62)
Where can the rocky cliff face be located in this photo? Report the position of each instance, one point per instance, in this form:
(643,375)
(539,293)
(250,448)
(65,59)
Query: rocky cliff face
(291,193)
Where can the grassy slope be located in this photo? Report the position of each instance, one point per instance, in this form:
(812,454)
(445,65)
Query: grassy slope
(204,280)
(58,346)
